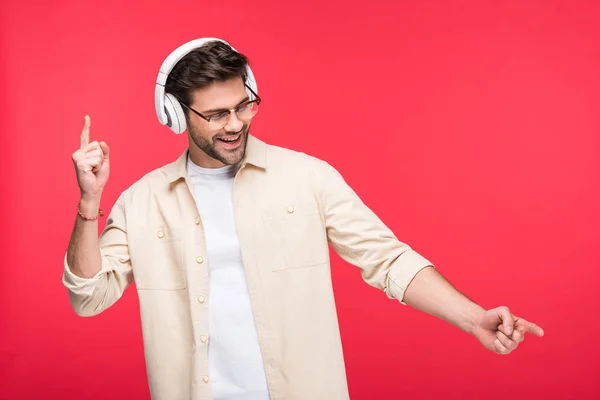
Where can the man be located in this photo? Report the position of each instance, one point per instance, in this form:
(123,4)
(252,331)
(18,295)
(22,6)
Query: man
(228,248)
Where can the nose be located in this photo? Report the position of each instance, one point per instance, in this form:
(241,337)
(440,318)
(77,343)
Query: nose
(233,123)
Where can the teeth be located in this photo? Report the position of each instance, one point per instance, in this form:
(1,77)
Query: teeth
(229,139)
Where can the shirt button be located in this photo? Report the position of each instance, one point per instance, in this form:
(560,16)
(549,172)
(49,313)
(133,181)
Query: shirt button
(201,299)
(205,379)
(199,259)
(160,234)
(203,339)
(290,210)
(197,220)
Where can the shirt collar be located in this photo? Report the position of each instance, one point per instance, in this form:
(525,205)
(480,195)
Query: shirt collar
(256,154)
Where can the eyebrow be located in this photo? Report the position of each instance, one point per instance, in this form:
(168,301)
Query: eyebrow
(218,110)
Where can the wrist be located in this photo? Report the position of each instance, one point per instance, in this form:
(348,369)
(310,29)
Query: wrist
(90,200)
(89,207)
(474,319)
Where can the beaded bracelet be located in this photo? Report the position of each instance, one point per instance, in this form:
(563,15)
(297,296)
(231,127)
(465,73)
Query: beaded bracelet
(100,214)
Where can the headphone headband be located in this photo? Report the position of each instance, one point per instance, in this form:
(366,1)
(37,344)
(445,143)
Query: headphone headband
(168,109)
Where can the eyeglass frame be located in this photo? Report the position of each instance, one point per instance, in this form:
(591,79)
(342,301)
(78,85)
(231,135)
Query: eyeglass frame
(256,100)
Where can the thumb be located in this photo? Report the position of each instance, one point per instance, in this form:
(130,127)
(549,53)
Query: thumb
(105,150)
(507,319)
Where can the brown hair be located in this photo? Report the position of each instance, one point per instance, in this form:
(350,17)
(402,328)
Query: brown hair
(213,61)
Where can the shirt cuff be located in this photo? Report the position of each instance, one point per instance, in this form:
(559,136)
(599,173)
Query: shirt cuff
(77,284)
(402,273)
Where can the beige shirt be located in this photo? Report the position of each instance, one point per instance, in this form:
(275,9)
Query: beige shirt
(288,207)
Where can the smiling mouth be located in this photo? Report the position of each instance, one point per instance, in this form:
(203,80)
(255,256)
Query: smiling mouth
(231,141)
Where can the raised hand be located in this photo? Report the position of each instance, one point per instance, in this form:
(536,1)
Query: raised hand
(500,331)
(92,165)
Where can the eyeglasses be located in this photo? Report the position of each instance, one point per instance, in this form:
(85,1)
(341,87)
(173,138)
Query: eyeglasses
(244,112)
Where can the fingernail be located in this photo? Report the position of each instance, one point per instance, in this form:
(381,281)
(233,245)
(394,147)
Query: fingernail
(508,329)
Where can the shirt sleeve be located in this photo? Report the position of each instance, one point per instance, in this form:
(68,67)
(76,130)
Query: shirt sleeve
(91,296)
(360,238)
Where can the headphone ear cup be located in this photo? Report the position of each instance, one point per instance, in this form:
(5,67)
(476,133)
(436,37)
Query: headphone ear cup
(251,82)
(176,116)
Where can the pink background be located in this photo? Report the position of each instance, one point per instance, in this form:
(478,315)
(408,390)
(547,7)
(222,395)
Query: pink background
(470,127)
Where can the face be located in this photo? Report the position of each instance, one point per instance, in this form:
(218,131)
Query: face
(211,148)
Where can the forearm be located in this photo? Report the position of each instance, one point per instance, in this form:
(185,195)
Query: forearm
(83,255)
(431,293)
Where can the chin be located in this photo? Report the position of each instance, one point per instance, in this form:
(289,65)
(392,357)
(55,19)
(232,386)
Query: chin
(232,158)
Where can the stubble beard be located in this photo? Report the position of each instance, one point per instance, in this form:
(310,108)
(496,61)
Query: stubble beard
(209,146)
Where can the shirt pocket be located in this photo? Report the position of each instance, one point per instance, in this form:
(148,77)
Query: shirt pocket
(295,236)
(158,262)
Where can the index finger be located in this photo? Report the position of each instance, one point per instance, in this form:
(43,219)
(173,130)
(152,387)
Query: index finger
(530,327)
(84,139)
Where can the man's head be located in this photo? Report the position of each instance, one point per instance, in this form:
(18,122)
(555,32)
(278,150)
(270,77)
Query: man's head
(209,82)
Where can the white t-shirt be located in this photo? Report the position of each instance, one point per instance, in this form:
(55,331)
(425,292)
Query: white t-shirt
(236,367)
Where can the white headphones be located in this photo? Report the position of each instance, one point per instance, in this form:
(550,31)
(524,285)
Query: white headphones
(168,109)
